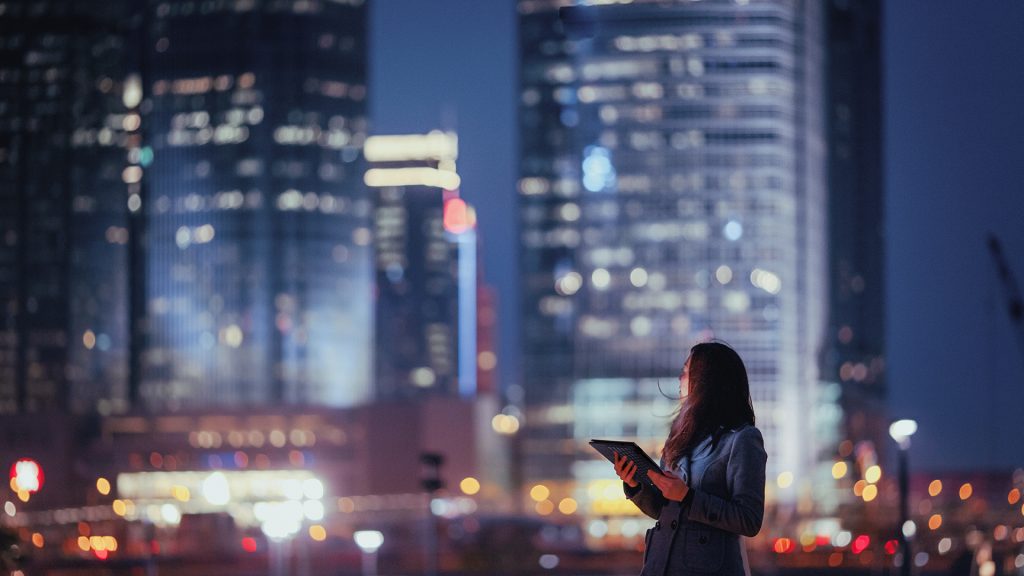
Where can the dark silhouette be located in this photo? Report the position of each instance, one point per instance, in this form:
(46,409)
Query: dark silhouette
(713,488)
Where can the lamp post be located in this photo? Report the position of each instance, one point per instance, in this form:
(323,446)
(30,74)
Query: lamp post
(369,541)
(901,431)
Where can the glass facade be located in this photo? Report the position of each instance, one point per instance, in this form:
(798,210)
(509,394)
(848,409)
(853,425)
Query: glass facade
(258,269)
(672,190)
(63,225)
(855,362)
(425,268)
(191,173)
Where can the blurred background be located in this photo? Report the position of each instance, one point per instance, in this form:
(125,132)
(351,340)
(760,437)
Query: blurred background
(346,286)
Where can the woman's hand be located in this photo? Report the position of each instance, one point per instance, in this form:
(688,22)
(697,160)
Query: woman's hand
(626,469)
(671,487)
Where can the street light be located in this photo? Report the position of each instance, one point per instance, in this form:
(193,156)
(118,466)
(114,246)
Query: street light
(901,431)
(280,521)
(369,541)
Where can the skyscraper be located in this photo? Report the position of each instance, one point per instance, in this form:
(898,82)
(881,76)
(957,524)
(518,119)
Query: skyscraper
(856,338)
(183,216)
(258,271)
(425,243)
(63,227)
(672,190)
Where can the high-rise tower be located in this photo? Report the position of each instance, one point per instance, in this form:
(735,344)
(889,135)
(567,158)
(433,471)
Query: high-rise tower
(854,361)
(257,227)
(673,189)
(425,239)
(64,143)
(184,221)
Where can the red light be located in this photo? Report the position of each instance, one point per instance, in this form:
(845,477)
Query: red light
(822,540)
(101,554)
(458,216)
(249,544)
(861,543)
(783,546)
(27,475)
(891,546)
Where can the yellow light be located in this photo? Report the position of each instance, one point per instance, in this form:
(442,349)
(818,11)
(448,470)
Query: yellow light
(619,507)
(858,487)
(89,339)
(539,493)
(935,521)
(119,507)
(181,493)
(232,336)
(839,470)
(103,486)
(486,360)
(24,495)
(14,484)
(567,506)
(37,540)
(873,474)
(423,176)
(110,543)
(469,485)
(1013,497)
(402,148)
(545,507)
(966,490)
(935,488)
(785,480)
(505,424)
(83,543)
(870,492)
(807,539)
(97,543)
(318,532)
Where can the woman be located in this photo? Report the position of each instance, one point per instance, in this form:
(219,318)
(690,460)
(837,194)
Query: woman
(713,490)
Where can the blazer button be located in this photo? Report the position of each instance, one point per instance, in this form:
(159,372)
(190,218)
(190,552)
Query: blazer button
(674,524)
(713,517)
(657,525)
(703,539)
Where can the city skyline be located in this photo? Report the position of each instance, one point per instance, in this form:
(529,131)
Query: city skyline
(252,307)
(916,332)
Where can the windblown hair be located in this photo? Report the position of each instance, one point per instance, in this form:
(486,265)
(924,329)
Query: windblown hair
(718,399)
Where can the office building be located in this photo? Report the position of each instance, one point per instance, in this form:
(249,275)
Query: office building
(257,229)
(426,264)
(184,217)
(856,337)
(64,144)
(672,190)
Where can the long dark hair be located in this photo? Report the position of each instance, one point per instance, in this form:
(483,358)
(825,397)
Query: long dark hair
(718,398)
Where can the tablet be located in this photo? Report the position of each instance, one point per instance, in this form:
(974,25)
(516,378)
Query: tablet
(630,450)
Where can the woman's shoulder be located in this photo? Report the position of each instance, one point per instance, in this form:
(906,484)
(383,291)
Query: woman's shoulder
(747,433)
(748,440)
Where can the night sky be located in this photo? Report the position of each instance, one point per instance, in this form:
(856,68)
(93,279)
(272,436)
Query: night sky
(954,173)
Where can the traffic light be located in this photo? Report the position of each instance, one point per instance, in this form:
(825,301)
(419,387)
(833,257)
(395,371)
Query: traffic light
(431,481)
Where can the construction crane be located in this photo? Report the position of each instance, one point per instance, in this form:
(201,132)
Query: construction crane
(1012,289)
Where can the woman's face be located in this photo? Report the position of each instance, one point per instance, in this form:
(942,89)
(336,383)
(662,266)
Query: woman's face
(684,380)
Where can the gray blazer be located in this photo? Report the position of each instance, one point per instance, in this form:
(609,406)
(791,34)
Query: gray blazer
(700,535)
